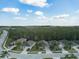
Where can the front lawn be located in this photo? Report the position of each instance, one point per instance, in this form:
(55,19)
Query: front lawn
(0,32)
(47,58)
(70,56)
(68,46)
(54,46)
(38,47)
(18,47)
(12,58)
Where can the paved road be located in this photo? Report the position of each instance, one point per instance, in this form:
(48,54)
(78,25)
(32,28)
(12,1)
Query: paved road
(40,56)
(37,56)
(2,39)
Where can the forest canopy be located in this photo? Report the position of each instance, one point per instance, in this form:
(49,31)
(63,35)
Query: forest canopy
(44,33)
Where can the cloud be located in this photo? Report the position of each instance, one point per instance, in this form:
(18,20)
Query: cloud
(61,16)
(42,18)
(41,21)
(60,20)
(27,15)
(20,18)
(77,11)
(64,20)
(39,13)
(40,3)
(12,10)
(29,11)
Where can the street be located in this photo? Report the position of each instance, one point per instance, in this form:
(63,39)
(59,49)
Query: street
(2,39)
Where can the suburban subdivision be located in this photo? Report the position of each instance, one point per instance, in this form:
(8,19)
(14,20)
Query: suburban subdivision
(39,42)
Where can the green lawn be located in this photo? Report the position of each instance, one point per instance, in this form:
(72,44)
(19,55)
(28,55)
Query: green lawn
(8,41)
(70,56)
(54,46)
(72,50)
(12,58)
(47,58)
(38,47)
(0,32)
(68,46)
(18,47)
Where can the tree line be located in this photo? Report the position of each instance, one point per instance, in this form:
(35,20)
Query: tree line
(44,33)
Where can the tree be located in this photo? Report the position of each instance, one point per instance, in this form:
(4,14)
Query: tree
(4,54)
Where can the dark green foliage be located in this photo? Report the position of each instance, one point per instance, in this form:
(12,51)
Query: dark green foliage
(47,33)
(48,58)
(4,54)
(70,56)
(54,46)
(38,47)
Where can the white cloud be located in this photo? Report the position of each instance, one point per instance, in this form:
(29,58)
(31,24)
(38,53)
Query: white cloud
(59,20)
(27,15)
(65,20)
(29,11)
(40,3)
(41,20)
(12,10)
(76,13)
(62,16)
(20,18)
(39,13)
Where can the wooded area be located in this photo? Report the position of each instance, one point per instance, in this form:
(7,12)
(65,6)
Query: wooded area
(44,33)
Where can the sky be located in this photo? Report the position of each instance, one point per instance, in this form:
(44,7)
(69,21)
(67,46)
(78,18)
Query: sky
(39,12)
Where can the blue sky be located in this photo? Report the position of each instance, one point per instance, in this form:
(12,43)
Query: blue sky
(39,12)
